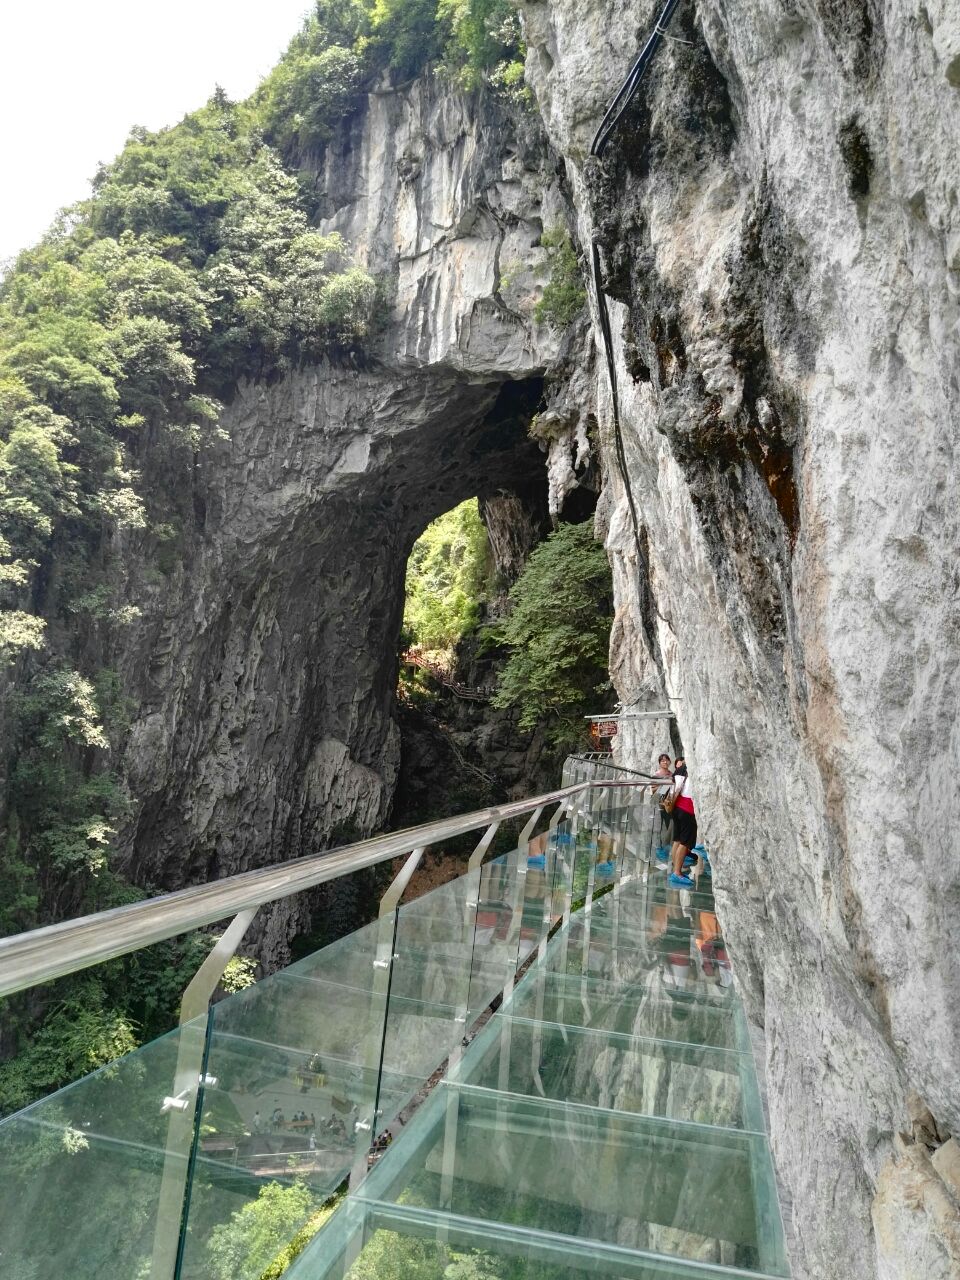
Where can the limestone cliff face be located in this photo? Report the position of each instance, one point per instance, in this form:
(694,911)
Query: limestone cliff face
(264,668)
(779,223)
(779,219)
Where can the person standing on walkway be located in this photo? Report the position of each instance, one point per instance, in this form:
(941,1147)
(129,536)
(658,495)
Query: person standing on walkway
(664,771)
(684,824)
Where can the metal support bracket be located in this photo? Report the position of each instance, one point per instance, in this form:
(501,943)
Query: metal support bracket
(483,844)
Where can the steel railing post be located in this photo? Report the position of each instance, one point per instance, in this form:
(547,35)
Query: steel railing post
(365,1125)
(186,1100)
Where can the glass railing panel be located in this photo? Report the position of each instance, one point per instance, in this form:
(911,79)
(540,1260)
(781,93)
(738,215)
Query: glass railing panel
(548,884)
(642,1008)
(584,853)
(559,869)
(641,1183)
(608,849)
(82,1171)
(428,1009)
(538,912)
(642,825)
(502,936)
(291,1081)
(621,1073)
(606,808)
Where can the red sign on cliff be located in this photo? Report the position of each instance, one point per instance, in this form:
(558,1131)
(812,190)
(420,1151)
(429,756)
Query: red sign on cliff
(603,730)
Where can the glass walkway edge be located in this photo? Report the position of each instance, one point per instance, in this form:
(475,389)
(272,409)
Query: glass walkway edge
(604,1121)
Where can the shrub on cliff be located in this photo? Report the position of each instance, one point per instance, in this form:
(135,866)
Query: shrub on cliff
(564,295)
(559,633)
(342,50)
(485,41)
(308,93)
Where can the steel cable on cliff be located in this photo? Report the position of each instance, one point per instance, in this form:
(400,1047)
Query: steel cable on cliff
(614,114)
(627,91)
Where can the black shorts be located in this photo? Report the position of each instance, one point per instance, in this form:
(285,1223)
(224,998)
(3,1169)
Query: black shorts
(684,828)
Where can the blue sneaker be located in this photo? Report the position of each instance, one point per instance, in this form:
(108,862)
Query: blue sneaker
(679,882)
(663,853)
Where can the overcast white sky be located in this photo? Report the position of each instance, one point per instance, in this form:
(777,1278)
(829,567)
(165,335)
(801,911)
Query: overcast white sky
(75,75)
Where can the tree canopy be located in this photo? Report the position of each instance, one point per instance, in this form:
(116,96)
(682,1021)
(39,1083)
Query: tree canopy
(448,576)
(559,632)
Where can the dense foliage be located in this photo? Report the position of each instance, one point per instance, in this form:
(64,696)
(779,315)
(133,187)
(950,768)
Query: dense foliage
(344,47)
(259,1231)
(559,633)
(564,295)
(447,578)
(389,1255)
(194,263)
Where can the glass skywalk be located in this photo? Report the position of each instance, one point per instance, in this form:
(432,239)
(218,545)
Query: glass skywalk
(604,1121)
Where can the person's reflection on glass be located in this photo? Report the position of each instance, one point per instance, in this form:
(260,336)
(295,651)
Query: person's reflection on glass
(714,960)
(676,972)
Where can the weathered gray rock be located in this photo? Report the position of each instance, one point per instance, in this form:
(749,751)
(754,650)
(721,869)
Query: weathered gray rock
(779,224)
(779,221)
(263,669)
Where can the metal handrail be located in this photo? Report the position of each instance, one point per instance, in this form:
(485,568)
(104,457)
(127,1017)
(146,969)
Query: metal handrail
(28,959)
(618,768)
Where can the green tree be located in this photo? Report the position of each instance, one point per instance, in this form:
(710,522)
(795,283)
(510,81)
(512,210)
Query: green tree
(447,578)
(559,632)
(255,1234)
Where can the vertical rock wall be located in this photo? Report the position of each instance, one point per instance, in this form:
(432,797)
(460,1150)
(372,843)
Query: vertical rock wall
(780,229)
(263,671)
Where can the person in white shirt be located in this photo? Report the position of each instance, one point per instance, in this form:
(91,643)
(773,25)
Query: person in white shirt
(684,824)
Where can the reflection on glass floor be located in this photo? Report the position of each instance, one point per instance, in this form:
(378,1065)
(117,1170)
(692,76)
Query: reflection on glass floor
(605,1122)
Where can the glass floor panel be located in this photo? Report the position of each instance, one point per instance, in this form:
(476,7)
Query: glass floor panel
(645,1007)
(649,1077)
(687,950)
(700,1193)
(372,1240)
(605,1122)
